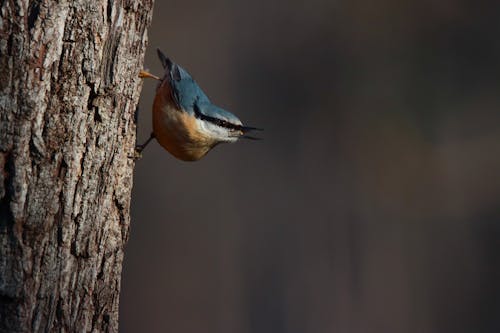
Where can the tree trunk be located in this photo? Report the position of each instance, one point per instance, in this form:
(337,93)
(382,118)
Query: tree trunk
(68,92)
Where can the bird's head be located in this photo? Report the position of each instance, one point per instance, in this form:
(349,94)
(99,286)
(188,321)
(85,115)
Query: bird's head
(221,125)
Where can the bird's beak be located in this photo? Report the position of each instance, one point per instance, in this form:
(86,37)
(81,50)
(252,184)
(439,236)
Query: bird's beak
(246,129)
(248,137)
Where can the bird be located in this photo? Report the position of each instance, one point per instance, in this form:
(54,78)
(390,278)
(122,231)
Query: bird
(185,122)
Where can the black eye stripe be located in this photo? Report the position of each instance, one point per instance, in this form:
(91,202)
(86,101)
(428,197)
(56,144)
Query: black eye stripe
(215,121)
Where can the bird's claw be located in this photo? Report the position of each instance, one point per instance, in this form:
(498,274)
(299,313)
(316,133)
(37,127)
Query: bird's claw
(137,154)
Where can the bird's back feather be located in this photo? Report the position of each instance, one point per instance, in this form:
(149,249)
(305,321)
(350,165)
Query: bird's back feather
(188,95)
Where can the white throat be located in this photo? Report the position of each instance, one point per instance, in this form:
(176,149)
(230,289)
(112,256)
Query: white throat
(217,133)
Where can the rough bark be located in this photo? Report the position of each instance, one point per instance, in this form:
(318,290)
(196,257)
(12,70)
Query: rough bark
(68,92)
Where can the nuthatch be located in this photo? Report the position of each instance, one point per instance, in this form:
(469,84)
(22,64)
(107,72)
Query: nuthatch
(185,122)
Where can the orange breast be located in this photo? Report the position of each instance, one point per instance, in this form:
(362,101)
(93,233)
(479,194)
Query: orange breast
(175,130)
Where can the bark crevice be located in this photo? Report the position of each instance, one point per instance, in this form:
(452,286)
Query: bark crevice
(68,92)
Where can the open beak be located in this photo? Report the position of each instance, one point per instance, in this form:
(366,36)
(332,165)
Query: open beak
(248,137)
(246,129)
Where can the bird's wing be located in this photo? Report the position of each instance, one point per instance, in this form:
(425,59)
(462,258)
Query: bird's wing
(188,95)
(186,91)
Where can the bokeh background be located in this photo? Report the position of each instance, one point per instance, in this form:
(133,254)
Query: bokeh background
(372,204)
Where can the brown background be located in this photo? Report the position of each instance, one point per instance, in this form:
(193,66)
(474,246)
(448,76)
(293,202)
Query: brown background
(372,205)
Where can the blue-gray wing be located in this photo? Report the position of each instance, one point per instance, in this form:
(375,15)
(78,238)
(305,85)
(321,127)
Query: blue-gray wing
(188,95)
(185,89)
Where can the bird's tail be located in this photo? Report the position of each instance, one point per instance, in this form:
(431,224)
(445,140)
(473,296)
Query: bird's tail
(165,61)
(170,67)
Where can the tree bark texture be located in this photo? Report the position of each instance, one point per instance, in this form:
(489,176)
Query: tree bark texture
(68,93)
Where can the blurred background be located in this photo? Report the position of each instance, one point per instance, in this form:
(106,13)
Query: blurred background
(372,204)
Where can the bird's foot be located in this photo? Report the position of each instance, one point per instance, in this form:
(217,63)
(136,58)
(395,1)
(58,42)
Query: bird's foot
(137,154)
(139,148)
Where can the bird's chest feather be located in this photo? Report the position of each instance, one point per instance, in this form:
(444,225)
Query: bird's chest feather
(176,130)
